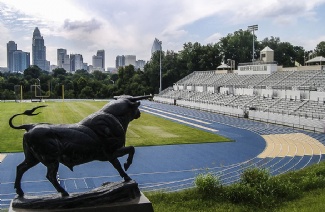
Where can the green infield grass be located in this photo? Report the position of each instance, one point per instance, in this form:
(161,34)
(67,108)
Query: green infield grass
(145,131)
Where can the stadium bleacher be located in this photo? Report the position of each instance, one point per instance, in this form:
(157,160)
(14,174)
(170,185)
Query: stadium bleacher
(297,93)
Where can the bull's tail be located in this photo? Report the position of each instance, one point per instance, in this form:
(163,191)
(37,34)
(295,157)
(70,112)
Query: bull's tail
(26,127)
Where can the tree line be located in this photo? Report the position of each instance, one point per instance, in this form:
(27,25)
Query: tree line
(235,46)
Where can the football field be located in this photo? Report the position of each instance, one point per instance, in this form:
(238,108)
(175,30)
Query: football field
(146,131)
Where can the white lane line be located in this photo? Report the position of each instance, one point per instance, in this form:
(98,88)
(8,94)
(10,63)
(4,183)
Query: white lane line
(179,120)
(184,117)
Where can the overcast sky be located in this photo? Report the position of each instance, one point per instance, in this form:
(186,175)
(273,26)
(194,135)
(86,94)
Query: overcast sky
(129,27)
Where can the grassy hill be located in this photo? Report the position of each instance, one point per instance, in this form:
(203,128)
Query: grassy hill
(300,191)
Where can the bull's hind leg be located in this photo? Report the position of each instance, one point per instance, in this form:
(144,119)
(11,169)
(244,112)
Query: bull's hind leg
(52,170)
(21,169)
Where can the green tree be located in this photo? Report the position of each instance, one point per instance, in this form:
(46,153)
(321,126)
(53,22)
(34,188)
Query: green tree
(100,76)
(299,54)
(272,42)
(125,75)
(285,53)
(87,93)
(59,71)
(151,75)
(33,71)
(238,46)
(320,49)
(81,83)
(82,72)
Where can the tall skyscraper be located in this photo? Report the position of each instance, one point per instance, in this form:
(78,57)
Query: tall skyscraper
(156,46)
(11,47)
(119,61)
(63,60)
(76,62)
(61,53)
(101,53)
(130,60)
(39,51)
(98,63)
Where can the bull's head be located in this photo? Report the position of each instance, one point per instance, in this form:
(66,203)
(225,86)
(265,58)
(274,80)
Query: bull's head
(125,106)
(135,104)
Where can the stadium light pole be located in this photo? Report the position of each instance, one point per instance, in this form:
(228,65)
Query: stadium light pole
(160,49)
(253,28)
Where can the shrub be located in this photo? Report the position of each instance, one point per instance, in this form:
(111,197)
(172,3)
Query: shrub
(208,184)
(255,176)
(282,189)
(257,187)
(312,181)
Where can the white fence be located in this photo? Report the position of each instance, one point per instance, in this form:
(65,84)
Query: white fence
(316,125)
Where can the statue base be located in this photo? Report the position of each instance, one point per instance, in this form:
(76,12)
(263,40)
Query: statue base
(118,196)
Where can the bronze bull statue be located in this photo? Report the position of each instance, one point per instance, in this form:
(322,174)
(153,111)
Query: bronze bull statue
(100,136)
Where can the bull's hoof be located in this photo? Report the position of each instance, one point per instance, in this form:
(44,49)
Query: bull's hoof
(20,192)
(127,179)
(64,194)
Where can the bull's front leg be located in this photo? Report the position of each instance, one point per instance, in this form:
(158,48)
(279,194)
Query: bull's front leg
(126,151)
(116,163)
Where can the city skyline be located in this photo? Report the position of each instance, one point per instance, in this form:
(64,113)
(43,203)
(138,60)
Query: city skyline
(129,28)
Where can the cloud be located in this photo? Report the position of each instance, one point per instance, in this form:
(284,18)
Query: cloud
(213,38)
(308,44)
(4,37)
(284,12)
(84,26)
(129,27)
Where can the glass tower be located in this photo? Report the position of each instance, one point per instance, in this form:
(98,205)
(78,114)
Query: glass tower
(39,50)
(11,48)
(101,53)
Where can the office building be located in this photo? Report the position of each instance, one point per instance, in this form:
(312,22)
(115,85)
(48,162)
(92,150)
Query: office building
(76,62)
(11,48)
(17,60)
(97,63)
(63,60)
(140,64)
(130,60)
(156,46)
(39,51)
(119,61)
(101,53)
(21,61)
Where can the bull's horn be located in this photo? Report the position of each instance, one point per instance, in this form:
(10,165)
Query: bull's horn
(137,98)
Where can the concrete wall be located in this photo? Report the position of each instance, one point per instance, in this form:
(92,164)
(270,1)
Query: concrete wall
(317,125)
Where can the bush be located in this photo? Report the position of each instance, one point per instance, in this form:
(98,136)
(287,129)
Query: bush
(242,193)
(208,184)
(255,176)
(258,188)
(282,189)
(312,181)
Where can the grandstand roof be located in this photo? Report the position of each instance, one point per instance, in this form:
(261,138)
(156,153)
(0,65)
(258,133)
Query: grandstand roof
(316,59)
(267,49)
(223,66)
